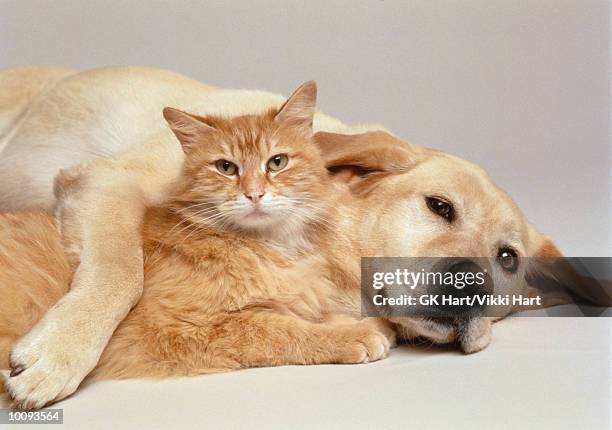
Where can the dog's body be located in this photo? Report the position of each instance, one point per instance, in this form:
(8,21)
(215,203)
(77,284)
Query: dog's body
(77,117)
(102,113)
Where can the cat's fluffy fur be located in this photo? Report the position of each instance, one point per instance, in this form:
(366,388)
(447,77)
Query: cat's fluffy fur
(110,121)
(34,273)
(217,295)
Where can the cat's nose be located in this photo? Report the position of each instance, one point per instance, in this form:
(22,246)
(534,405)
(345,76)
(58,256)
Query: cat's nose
(254,196)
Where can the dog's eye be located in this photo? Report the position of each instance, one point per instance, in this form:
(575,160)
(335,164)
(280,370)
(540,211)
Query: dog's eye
(441,208)
(507,259)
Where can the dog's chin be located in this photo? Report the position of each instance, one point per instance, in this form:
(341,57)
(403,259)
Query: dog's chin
(472,335)
(438,331)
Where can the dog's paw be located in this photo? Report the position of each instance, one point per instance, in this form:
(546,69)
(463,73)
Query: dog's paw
(43,371)
(363,344)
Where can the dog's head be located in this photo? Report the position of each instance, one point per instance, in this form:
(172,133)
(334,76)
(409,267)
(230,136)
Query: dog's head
(424,203)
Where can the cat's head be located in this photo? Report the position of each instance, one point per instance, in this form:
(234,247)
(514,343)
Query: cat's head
(252,172)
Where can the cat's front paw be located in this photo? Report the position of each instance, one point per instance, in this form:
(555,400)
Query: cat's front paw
(362,344)
(45,368)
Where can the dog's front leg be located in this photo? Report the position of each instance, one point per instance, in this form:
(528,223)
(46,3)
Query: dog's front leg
(100,210)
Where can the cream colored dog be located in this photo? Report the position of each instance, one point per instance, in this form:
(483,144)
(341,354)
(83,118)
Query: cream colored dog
(109,120)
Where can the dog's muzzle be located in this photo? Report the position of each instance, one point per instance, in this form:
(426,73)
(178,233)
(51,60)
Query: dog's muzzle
(459,294)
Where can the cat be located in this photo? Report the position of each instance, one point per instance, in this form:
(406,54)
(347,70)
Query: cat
(234,273)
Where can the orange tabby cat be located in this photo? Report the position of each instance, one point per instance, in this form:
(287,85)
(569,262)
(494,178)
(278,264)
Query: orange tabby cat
(234,274)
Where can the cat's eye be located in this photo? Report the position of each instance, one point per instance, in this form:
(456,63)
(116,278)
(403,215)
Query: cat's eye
(226,167)
(441,207)
(278,162)
(507,259)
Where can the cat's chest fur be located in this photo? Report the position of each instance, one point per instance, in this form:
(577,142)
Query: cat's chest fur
(199,274)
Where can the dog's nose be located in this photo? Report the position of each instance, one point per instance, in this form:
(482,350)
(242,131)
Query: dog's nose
(254,196)
(471,283)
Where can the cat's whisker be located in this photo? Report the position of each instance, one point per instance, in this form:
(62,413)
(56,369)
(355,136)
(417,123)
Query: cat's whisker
(187,219)
(191,220)
(308,216)
(202,224)
(197,229)
(155,252)
(301,199)
(207,200)
(200,213)
(182,210)
(210,218)
(303,206)
(209,203)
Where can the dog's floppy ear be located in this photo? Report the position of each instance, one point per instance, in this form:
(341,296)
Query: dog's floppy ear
(563,280)
(540,281)
(373,151)
(547,248)
(362,159)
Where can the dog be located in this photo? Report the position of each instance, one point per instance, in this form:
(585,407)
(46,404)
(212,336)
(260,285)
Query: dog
(103,129)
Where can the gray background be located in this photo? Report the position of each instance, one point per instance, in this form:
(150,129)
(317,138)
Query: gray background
(520,87)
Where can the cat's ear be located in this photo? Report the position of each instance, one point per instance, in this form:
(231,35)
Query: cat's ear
(187,128)
(299,109)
